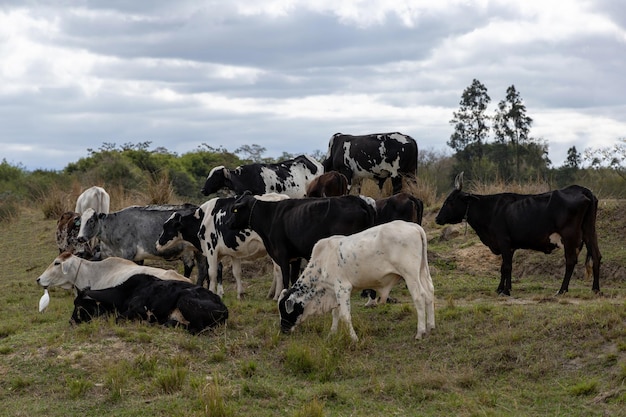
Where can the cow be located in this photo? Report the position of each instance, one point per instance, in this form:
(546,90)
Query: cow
(66,235)
(148,298)
(505,222)
(180,227)
(290,177)
(131,233)
(401,206)
(218,241)
(94,197)
(70,271)
(329,184)
(379,258)
(377,156)
(290,228)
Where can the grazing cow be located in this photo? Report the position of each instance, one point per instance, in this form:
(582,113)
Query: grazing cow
(66,235)
(70,271)
(289,177)
(377,156)
(146,297)
(378,258)
(218,240)
(94,197)
(132,233)
(505,222)
(329,184)
(290,228)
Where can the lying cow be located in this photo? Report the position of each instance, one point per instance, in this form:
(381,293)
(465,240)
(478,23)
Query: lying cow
(329,184)
(377,258)
(68,271)
(506,222)
(146,297)
(290,177)
(290,228)
(132,233)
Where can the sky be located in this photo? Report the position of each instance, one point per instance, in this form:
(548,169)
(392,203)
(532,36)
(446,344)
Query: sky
(288,74)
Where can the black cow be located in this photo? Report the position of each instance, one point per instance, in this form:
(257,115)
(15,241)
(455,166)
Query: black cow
(290,228)
(329,184)
(378,156)
(289,177)
(401,206)
(506,222)
(146,297)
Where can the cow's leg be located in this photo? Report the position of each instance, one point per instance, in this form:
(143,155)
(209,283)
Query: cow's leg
(236,263)
(419,300)
(396,182)
(203,270)
(215,275)
(277,283)
(505,272)
(571,258)
(343,313)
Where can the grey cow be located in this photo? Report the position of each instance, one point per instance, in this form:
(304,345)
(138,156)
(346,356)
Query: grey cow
(131,233)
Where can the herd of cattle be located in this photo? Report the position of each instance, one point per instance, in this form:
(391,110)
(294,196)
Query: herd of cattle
(323,241)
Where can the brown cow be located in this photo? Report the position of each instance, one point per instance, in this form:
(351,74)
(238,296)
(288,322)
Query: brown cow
(67,233)
(329,184)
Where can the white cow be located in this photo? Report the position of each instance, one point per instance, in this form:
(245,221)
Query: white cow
(94,197)
(376,258)
(68,270)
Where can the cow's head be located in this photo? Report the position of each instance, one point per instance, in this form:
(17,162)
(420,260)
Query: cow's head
(171,232)
(216,180)
(85,308)
(455,207)
(290,310)
(241,212)
(89,225)
(58,272)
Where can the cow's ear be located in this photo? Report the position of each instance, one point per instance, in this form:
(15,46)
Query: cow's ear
(226,172)
(458,181)
(102,215)
(65,266)
(289,303)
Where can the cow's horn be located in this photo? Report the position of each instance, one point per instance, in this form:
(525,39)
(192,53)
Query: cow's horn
(458,181)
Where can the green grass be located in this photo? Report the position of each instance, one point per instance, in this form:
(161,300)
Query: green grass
(531,354)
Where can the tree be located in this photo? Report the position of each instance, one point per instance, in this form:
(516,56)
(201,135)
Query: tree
(512,125)
(573,159)
(252,152)
(613,157)
(470,123)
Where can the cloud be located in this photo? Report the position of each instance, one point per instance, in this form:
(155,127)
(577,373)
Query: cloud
(288,74)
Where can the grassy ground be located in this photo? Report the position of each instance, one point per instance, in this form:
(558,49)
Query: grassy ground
(532,354)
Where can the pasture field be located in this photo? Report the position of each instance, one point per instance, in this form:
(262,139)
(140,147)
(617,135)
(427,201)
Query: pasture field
(532,354)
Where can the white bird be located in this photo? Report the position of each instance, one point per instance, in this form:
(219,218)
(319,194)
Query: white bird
(44,300)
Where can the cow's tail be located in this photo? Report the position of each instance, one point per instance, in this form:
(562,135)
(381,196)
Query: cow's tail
(424,269)
(590,239)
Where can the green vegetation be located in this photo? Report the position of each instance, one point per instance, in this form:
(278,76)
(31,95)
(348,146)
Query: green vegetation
(527,355)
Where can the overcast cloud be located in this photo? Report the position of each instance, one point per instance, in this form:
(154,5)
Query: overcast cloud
(287,74)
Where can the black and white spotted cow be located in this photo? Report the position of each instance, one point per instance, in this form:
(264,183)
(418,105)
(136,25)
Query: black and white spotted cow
(377,156)
(379,258)
(290,177)
(219,241)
